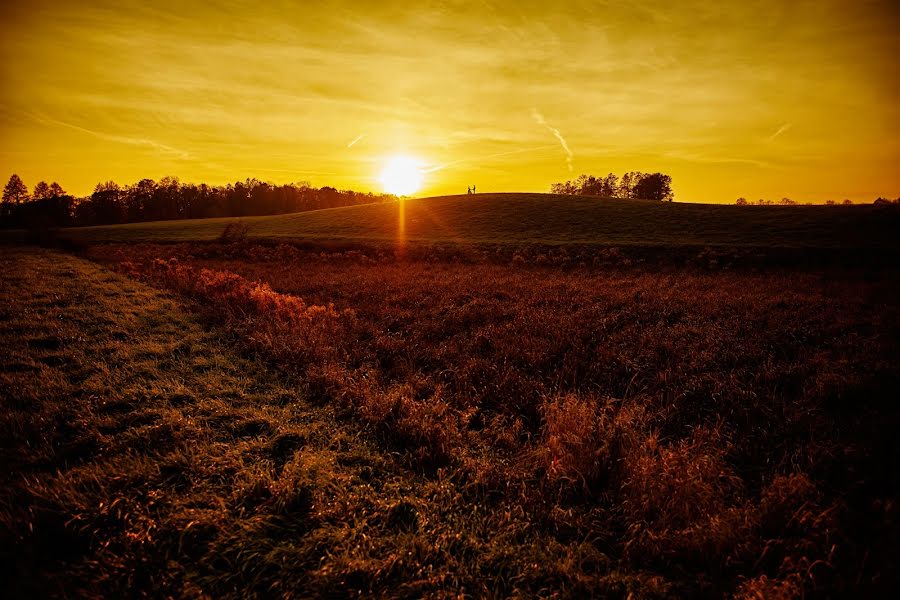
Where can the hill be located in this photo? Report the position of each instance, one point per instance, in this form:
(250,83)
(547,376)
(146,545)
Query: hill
(547,219)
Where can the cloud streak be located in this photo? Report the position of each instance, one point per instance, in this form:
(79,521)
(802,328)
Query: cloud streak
(121,139)
(356,139)
(784,128)
(540,120)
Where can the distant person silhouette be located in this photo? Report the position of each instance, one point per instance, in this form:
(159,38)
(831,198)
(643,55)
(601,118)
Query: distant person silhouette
(469,190)
(473,189)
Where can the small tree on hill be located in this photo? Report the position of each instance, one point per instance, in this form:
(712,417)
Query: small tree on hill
(15,191)
(626,185)
(653,186)
(741,201)
(633,184)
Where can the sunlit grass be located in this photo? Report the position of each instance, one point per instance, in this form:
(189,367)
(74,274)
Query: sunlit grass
(544,218)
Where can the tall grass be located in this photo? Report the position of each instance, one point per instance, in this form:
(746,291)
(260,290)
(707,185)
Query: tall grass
(698,424)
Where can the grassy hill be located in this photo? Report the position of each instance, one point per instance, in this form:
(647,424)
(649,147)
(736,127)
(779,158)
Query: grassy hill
(548,219)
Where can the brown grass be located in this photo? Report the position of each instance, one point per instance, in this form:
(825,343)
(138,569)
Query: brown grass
(575,431)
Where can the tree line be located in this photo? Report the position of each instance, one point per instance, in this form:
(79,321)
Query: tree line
(633,185)
(788,202)
(48,205)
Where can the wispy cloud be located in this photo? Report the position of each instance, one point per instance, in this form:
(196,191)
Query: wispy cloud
(781,130)
(540,120)
(716,160)
(121,139)
(265,87)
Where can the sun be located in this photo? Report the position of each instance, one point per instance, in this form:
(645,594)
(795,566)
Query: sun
(402,176)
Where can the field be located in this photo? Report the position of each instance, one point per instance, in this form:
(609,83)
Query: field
(546,219)
(501,416)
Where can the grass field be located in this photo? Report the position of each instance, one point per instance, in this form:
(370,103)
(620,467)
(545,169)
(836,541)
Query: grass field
(143,456)
(204,419)
(547,219)
(298,423)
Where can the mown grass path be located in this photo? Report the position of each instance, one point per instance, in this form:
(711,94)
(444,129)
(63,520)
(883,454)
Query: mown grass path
(141,456)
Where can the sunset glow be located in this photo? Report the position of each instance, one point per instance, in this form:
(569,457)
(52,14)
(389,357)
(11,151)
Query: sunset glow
(402,176)
(756,99)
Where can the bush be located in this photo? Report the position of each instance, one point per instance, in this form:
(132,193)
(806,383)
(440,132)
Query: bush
(236,231)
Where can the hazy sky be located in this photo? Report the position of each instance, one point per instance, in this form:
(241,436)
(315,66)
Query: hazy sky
(747,98)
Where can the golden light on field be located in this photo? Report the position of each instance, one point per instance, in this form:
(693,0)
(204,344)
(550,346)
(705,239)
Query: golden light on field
(402,176)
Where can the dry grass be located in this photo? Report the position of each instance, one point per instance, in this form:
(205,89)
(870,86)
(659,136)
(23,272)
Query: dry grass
(671,433)
(142,456)
(415,428)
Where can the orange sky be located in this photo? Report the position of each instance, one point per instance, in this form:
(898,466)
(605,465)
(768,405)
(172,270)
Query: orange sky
(754,99)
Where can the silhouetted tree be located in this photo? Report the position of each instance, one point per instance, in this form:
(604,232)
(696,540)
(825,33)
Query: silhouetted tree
(610,185)
(166,201)
(626,185)
(847,202)
(786,202)
(830,202)
(49,211)
(15,191)
(171,199)
(137,198)
(634,184)
(653,186)
(41,191)
(107,203)
(565,189)
(741,201)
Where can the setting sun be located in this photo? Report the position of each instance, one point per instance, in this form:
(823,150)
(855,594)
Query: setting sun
(401,176)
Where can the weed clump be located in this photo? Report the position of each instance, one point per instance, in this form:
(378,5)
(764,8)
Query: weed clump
(234,232)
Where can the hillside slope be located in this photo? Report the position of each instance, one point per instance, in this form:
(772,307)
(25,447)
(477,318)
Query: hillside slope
(548,219)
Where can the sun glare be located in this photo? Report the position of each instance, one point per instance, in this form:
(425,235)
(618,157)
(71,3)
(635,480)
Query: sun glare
(402,176)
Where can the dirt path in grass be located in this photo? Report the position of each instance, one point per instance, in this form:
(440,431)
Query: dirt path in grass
(140,455)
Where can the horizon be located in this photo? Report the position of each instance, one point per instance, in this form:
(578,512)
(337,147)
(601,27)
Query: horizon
(754,101)
(379,193)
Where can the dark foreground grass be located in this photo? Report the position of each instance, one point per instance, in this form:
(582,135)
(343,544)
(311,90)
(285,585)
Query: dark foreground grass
(143,457)
(546,219)
(670,432)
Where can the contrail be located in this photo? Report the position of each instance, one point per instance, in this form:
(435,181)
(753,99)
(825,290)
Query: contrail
(540,120)
(781,130)
(353,143)
(122,139)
